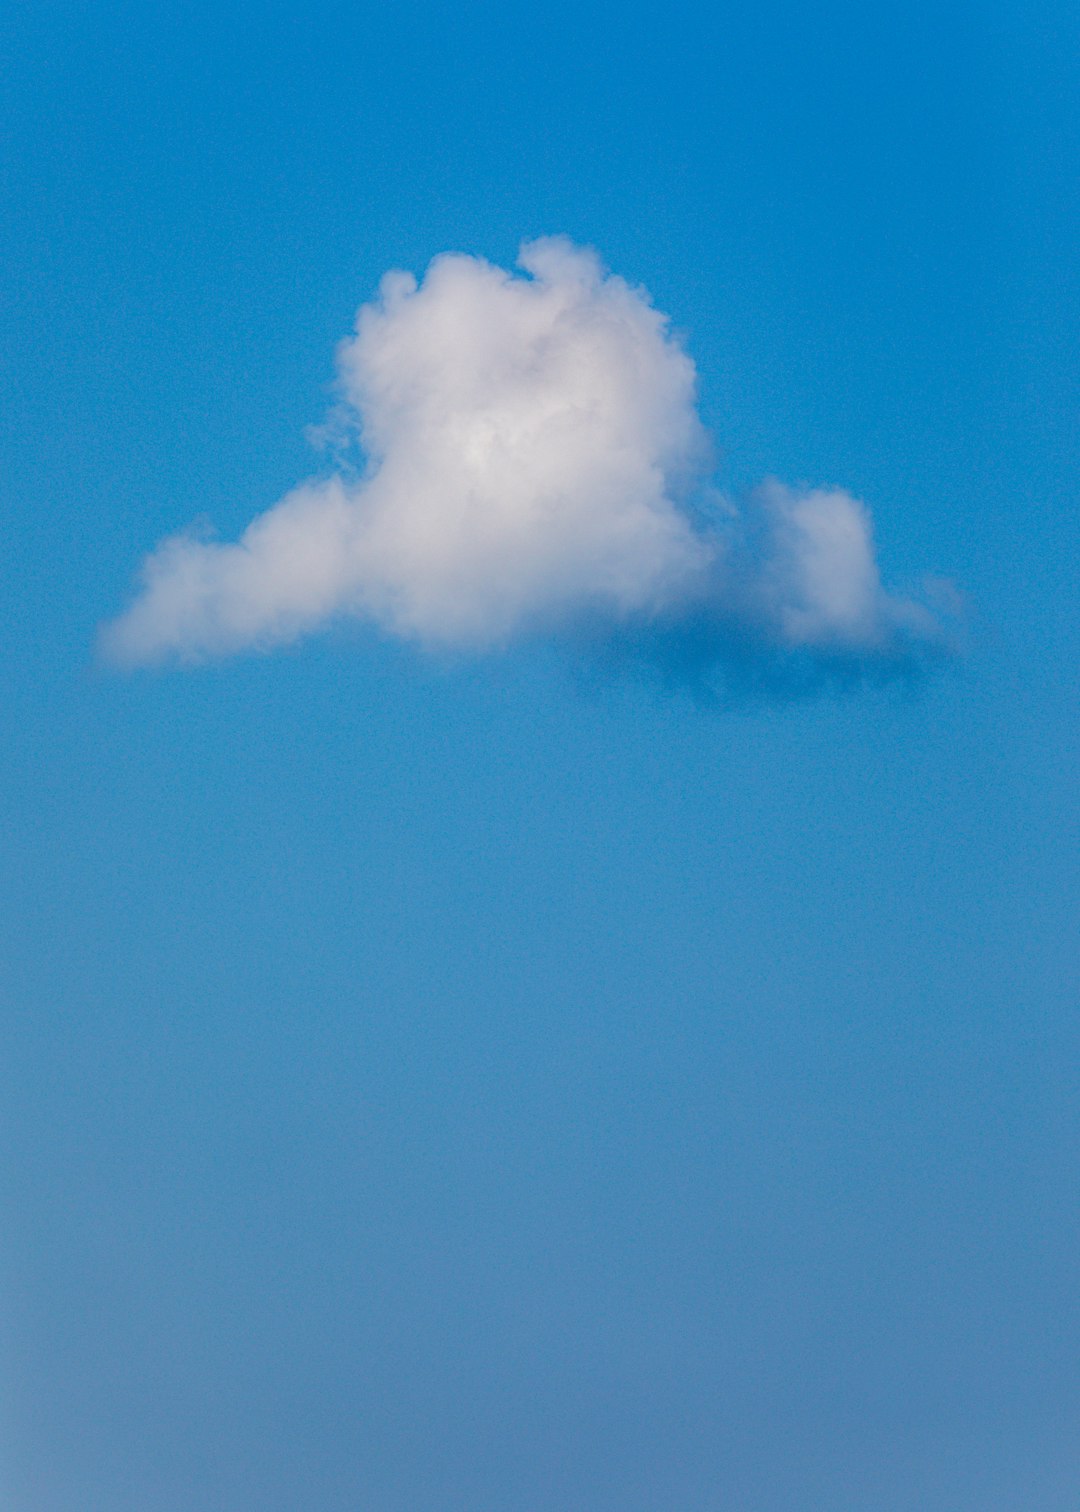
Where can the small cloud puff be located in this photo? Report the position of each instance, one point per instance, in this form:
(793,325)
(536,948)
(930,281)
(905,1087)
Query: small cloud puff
(533,463)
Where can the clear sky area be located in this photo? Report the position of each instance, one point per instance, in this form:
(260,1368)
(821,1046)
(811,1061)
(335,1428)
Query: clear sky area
(538,901)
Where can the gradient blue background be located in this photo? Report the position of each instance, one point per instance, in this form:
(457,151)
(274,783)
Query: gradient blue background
(486,1088)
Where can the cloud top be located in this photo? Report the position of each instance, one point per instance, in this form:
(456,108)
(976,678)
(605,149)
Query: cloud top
(533,461)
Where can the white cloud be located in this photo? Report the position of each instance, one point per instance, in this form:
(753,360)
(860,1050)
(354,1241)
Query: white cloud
(532,452)
(820,579)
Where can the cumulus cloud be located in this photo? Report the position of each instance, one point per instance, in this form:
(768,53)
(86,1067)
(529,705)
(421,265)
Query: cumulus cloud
(533,462)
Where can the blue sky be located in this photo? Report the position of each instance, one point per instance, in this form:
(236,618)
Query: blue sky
(488,1080)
